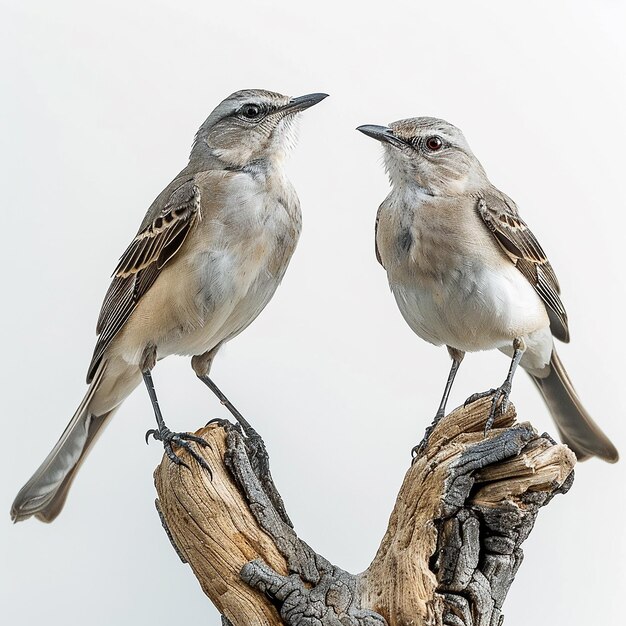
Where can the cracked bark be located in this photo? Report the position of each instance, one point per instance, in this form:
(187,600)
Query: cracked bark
(449,556)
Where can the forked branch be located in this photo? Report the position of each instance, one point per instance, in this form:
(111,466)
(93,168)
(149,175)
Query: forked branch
(449,556)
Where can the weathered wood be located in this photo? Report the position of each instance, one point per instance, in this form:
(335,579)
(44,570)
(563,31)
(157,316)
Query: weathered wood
(449,556)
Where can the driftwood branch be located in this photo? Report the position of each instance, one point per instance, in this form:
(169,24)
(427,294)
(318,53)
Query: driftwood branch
(449,556)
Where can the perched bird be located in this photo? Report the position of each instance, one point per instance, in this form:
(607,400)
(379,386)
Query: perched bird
(208,257)
(468,273)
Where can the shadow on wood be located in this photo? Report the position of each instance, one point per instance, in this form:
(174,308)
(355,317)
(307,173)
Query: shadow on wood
(449,556)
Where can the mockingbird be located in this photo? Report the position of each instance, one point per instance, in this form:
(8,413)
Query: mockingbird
(208,256)
(468,273)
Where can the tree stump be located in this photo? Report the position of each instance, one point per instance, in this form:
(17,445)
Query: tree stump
(449,556)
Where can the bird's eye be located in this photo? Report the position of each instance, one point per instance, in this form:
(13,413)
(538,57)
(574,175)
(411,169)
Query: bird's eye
(434,143)
(251,111)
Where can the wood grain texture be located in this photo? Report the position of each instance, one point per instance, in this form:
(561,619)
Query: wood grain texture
(449,556)
(215,531)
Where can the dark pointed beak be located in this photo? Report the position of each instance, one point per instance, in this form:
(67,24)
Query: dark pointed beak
(381,133)
(304,102)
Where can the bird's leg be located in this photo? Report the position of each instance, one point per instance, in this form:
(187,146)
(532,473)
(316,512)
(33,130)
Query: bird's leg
(162,432)
(457,358)
(500,396)
(201,365)
(257,452)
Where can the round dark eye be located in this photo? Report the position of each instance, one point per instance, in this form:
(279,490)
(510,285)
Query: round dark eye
(434,143)
(251,111)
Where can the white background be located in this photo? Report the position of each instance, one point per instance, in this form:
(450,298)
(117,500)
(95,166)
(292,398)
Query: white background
(100,101)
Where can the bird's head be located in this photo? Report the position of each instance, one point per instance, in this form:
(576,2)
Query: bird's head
(430,153)
(251,126)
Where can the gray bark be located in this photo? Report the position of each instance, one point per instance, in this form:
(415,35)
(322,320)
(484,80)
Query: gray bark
(449,561)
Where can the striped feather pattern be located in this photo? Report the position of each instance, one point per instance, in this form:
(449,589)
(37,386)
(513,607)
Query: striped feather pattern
(500,215)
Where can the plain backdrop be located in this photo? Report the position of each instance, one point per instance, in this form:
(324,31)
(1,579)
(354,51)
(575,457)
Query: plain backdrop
(100,101)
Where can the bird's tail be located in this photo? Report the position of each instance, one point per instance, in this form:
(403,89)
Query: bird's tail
(44,494)
(574,424)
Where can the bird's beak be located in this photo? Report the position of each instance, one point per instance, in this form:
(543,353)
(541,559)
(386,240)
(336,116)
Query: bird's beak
(383,134)
(303,102)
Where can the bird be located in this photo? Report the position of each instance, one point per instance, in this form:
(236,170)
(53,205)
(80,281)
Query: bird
(467,272)
(210,252)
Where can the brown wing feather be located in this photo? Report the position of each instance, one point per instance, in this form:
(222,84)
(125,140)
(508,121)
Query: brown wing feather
(150,243)
(142,262)
(500,215)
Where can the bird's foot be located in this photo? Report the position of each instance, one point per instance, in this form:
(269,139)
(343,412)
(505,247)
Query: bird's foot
(181,440)
(499,402)
(478,396)
(421,446)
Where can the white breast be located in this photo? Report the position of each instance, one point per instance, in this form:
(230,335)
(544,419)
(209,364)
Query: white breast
(472,308)
(452,282)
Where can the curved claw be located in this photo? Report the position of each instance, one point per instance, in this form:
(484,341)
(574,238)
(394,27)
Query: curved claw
(217,420)
(151,433)
(421,446)
(201,462)
(418,450)
(179,440)
(173,457)
(194,438)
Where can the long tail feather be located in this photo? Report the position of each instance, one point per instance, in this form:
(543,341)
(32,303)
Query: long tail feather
(575,425)
(44,494)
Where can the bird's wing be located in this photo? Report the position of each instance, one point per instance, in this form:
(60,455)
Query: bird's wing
(500,215)
(376,250)
(161,236)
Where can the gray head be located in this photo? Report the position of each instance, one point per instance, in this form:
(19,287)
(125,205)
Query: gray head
(250,126)
(429,152)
